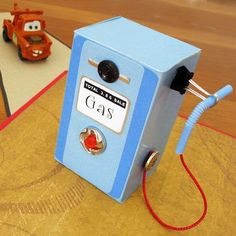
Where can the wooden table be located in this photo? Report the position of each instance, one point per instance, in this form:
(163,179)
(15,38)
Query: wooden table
(40,197)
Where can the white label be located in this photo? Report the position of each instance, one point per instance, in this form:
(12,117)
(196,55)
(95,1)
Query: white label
(102,104)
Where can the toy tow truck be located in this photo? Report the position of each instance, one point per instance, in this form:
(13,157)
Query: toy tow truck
(26,31)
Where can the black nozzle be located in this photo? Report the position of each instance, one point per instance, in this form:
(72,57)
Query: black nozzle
(181,80)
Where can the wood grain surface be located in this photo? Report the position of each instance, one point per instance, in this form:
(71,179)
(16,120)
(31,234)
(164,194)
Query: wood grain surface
(210,25)
(40,197)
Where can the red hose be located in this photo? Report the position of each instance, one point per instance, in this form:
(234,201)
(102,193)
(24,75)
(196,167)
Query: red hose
(155,215)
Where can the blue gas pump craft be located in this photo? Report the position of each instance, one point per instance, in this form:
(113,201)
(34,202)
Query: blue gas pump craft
(119,108)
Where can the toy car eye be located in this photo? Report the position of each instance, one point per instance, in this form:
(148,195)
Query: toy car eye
(31,27)
(36,27)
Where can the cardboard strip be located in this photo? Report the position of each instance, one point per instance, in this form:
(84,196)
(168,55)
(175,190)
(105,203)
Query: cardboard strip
(4,96)
(32,100)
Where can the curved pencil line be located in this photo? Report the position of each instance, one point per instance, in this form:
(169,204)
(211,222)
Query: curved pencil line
(16,226)
(58,204)
(50,174)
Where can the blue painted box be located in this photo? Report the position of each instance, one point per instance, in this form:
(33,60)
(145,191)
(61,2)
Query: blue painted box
(132,115)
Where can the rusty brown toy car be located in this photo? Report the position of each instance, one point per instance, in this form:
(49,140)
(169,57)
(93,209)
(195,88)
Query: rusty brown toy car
(26,31)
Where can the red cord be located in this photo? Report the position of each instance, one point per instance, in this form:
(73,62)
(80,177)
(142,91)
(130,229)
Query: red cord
(161,222)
